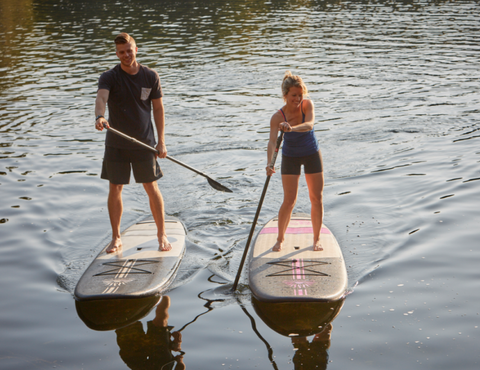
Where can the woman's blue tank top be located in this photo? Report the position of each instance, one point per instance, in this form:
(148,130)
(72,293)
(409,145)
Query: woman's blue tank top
(299,144)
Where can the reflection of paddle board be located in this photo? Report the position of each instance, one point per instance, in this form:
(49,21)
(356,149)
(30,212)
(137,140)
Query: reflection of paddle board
(297,318)
(111,314)
(139,269)
(297,273)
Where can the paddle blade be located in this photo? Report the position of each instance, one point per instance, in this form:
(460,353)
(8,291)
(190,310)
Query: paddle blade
(218,186)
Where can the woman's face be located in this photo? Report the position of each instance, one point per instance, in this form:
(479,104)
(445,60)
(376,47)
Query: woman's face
(294,96)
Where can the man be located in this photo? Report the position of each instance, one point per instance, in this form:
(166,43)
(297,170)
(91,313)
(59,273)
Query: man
(131,90)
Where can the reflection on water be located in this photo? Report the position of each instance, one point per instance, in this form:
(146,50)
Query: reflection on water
(313,354)
(396,88)
(298,321)
(110,314)
(138,349)
(152,349)
(294,319)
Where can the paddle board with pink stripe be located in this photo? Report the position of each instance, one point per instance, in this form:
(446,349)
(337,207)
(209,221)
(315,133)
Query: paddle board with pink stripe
(139,269)
(297,272)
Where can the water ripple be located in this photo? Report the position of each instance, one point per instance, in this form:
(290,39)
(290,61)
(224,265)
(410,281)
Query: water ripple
(395,85)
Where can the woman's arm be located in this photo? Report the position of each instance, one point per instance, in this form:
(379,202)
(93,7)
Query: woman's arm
(309,111)
(275,122)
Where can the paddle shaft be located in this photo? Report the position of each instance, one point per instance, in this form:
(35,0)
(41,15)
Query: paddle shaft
(260,203)
(212,182)
(151,148)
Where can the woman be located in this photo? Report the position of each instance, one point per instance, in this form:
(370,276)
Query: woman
(300,147)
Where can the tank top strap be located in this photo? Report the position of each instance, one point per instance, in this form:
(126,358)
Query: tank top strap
(303,113)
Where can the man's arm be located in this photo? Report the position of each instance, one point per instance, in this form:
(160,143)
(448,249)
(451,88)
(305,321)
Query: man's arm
(159,118)
(100,106)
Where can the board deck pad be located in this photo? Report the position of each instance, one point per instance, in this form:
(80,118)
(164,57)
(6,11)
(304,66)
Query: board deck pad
(139,269)
(297,272)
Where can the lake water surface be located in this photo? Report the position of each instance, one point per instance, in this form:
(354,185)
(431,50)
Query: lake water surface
(396,86)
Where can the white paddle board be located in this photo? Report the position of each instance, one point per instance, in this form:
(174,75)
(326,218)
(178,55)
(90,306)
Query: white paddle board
(297,273)
(139,269)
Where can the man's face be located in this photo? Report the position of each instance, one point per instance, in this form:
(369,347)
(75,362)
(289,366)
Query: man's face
(127,53)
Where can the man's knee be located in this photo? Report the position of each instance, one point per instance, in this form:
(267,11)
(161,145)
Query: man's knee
(116,188)
(152,189)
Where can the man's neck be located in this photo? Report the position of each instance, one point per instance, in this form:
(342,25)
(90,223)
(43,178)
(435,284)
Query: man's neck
(131,70)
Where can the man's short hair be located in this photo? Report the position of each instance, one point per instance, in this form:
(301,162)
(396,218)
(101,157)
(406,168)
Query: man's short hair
(124,38)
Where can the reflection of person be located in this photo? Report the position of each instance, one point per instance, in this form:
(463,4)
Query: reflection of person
(300,147)
(131,90)
(314,354)
(151,350)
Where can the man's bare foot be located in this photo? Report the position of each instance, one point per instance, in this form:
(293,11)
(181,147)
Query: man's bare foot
(163,244)
(317,246)
(277,247)
(114,246)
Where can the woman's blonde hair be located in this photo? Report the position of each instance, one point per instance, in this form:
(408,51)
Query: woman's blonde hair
(289,80)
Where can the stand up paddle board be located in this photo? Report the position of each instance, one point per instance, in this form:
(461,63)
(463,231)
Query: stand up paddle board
(139,269)
(297,273)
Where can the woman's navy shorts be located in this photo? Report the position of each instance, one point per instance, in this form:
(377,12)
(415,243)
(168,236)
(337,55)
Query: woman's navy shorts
(311,164)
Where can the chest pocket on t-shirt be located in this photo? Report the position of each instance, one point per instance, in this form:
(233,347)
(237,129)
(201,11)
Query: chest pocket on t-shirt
(145,93)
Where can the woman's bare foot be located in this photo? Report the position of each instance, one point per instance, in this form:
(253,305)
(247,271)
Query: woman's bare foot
(277,247)
(114,246)
(317,246)
(163,244)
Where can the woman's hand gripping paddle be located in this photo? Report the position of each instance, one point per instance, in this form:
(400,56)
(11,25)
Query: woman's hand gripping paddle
(272,165)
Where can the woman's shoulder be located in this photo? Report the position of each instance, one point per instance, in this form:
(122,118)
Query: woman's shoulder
(307,103)
(278,116)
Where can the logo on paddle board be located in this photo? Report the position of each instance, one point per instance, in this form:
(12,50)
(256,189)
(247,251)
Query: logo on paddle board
(114,284)
(123,272)
(299,286)
(121,269)
(299,270)
(117,282)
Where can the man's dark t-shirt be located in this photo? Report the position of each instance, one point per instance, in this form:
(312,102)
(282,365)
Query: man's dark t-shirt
(129,104)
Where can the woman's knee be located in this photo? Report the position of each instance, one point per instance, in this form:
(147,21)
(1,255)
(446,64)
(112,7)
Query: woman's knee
(317,199)
(289,204)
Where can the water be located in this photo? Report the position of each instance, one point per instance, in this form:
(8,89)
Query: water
(396,90)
